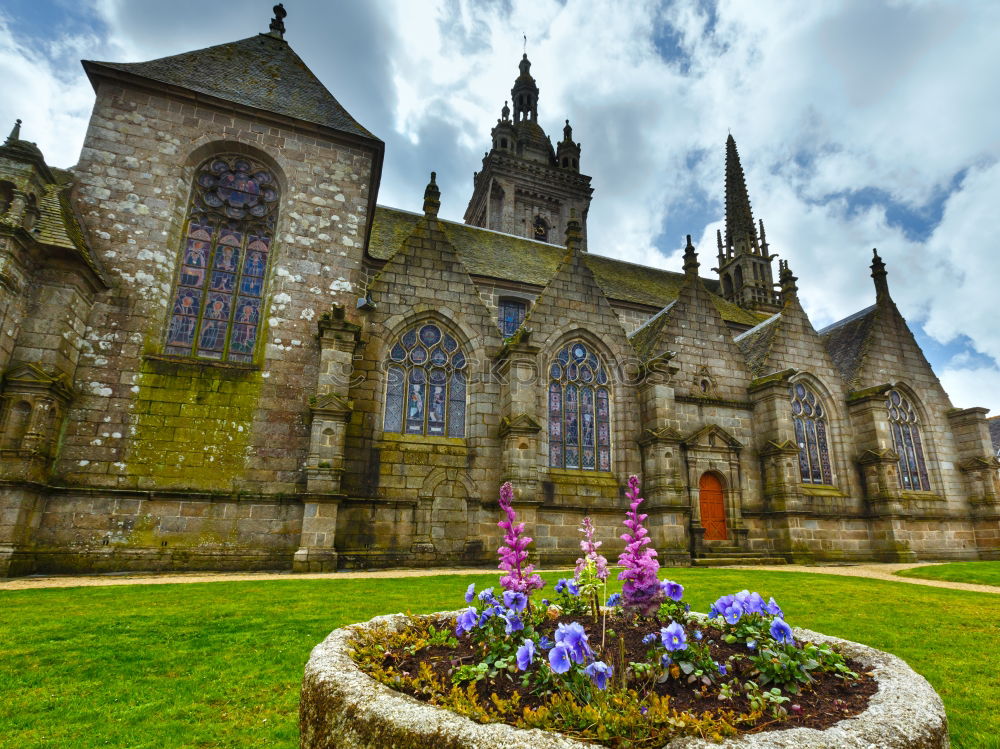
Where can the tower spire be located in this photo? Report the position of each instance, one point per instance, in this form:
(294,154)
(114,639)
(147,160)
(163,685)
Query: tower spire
(525,92)
(741,234)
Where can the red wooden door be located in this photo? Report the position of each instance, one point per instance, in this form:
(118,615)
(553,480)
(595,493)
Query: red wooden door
(713,508)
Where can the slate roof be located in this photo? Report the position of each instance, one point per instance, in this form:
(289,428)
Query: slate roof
(506,257)
(262,72)
(646,336)
(756,344)
(847,341)
(58,226)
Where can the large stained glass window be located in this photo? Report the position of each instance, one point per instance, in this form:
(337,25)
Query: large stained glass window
(809,420)
(906,442)
(216,306)
(425,384)
(511,316)
(579,410)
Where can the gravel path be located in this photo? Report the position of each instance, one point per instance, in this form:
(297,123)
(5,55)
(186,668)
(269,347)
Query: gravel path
(874,571)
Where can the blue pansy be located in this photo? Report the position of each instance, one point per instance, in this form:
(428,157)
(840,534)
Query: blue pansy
(466,621)
(615,599)
(573,637)
(525,654)
(514,600)
(673,591)
(544,642)
(673,637)
(470,592)
(561,584)
(514,624)
(781,632)
(697,634)
(722,669)
(559,659)
(651,637)
(773,609)
(572,588)
(598,671)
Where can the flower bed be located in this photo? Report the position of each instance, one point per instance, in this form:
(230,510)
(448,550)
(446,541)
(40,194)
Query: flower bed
(641,671)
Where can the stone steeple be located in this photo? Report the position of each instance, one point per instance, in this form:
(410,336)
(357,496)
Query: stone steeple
(744,262)
(527,187)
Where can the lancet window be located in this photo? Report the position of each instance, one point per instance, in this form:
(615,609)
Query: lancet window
(579,410)
(217,301)
(906,442)
(511,316)
(425,384)
(809,420)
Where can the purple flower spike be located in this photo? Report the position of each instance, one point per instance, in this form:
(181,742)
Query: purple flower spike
(513,555)
(559,659)
(781,632)
(673,637)
(599,671)
(641,590)
(590,547)
(525,655)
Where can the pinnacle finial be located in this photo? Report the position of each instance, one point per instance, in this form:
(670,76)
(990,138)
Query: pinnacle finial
(691,263)
(741,234)
(789,289)
(15,133)
(574,233)
(278,22)
(432,197)
(568,133)
(880,277)
(505,112)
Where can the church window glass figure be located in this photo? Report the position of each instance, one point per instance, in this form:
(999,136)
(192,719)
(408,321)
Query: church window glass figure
(511,316)
(579,410)
(809,421)
(216,305)
(904,425)
(425,384)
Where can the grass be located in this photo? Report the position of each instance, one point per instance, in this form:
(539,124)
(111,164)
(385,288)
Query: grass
(220,664)
(982,573)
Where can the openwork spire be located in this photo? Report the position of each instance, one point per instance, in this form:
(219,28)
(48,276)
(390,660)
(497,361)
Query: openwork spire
(741,234)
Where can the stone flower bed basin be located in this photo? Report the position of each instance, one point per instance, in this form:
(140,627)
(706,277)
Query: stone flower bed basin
(344,708)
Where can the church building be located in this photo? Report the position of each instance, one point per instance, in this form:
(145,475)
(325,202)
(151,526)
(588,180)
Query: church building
(218,351)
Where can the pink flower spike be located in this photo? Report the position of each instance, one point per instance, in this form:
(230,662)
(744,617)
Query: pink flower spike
(641,590)
(514,554)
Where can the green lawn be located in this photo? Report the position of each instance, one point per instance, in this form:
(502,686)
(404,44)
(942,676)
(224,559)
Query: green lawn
(983,573)
(219,664)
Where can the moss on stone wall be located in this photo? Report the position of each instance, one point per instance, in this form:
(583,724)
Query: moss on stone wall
(192,424)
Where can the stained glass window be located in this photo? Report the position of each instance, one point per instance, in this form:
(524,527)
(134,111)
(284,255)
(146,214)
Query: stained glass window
(511,316)
(425,384)
(809,420)
(579,410)
(904,425)
(216,305)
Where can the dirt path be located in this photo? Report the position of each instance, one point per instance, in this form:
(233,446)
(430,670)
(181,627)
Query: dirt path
(874,571)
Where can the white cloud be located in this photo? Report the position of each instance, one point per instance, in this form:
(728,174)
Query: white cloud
(824,100)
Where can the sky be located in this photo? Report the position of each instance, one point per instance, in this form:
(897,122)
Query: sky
(860,124)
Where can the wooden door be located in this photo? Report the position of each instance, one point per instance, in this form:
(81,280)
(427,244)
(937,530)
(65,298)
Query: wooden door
(713,508)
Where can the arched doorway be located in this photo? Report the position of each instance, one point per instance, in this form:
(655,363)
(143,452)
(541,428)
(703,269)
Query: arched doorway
(713,507)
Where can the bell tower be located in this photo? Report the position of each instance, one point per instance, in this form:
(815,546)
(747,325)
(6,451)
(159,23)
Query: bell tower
(526,186)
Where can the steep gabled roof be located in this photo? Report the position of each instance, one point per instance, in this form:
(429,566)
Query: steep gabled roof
(262,72)
(756,344)
(645,337)
(58,226)
(507,257)
(847,341)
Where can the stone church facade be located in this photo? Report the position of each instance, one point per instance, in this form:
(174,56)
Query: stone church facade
(218,352)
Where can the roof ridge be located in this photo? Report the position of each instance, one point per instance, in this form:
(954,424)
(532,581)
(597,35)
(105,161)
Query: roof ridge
(849,319)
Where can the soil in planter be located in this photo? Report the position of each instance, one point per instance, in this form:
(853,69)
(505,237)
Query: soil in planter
(826,701)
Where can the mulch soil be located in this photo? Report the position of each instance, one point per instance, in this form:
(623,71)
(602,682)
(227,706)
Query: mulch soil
(828,700)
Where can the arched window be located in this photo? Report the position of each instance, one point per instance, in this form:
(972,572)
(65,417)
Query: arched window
(809,418)
(6,196)
(903,423)
(425,391)
(579,410)
(216,307)
(511,316)
(541,229)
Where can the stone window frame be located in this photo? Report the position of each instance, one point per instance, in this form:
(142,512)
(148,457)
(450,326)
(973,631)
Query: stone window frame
(200,162)
(813,433)
(922,452)
(606,361)
(510,299)
(389,364)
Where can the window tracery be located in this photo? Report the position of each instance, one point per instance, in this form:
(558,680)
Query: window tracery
(426,384)
(216,306)
(809,420)
(579,410)
(904,425)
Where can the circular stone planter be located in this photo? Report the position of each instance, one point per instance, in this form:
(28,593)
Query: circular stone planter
(344,708)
